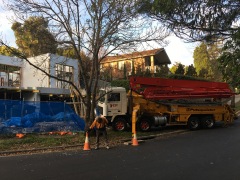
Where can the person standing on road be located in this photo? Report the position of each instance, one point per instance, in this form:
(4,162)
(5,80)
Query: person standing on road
(99,124)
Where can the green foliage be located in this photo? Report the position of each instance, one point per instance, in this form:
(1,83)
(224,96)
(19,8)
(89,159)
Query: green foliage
(214,73)
(67,52)
(203,73)
(180,69)
(147,73)
(200,56)
(174,68)
(139,71)
(6,51)
(162,71)
(106,74)
(229,60)
(177,76)
(121,83)
(205,61)
(202,20)
(191,71)
(33,37)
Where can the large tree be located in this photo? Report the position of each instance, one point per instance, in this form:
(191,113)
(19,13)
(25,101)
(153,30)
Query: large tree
(191,20)
(33,37)
(230,61)
(214,51)
(96,27)
(196,20)
(206,63)
(200,57)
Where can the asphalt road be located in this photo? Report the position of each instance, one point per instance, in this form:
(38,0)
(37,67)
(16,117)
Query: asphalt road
(195,155)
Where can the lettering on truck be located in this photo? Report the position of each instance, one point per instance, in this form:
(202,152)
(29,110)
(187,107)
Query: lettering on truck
(195,109)
(113,105)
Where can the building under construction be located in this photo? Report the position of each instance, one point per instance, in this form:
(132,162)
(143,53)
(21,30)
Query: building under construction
(20,81)
(29,98)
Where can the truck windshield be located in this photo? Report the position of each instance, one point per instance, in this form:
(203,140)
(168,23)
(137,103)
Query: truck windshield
(114,97)
(102,95)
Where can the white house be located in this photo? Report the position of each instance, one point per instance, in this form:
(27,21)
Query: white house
(20,80)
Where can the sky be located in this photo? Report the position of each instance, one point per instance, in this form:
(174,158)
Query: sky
(177,50)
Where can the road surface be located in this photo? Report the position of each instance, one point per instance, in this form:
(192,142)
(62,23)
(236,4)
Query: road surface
(194,155)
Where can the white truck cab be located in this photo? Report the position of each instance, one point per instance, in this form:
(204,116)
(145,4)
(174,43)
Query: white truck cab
(113,105)
(113,101)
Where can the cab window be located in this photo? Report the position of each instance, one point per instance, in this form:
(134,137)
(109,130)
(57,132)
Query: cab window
(114,97)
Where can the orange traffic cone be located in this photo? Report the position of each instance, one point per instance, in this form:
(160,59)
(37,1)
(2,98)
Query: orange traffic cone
(86,144)
(19,135)
(134,140)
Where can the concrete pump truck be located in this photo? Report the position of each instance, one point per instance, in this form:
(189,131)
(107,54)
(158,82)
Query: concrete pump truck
(161,102)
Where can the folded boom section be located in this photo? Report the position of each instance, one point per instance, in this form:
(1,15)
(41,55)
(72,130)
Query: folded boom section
(160,88)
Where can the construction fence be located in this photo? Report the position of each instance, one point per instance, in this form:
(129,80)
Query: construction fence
(34,117)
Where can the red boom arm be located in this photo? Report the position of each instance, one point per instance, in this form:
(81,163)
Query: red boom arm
(160,88)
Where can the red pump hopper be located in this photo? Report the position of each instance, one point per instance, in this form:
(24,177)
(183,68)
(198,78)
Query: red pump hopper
(160,88)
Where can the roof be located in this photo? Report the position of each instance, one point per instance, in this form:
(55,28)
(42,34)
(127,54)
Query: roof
(159,53)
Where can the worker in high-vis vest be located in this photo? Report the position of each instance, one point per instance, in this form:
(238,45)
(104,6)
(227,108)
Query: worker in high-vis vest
(99,124)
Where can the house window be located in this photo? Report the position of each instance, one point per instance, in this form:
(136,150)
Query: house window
(10,75)
(64,72)
(147,61)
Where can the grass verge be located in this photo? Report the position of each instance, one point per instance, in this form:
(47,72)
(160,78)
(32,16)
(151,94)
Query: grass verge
(34,141)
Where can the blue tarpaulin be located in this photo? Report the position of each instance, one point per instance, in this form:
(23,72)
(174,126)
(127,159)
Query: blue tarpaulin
(29,116)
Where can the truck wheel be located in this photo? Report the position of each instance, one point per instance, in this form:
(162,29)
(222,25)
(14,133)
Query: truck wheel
(144,125)
(208,122)
(193,123)
(119,124)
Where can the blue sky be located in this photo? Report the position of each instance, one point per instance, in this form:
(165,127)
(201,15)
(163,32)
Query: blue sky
(177,50)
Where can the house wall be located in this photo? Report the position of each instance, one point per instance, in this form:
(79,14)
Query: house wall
(31,77)
(138,62)
(35,78)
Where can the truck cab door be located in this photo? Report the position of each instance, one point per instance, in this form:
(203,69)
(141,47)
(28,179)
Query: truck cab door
(114,103)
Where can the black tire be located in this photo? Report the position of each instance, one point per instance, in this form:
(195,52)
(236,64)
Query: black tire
(208,122)
(193,123)
(144,124)
(119,124)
